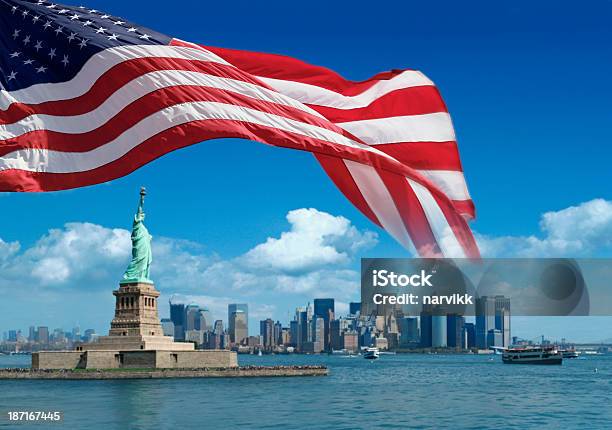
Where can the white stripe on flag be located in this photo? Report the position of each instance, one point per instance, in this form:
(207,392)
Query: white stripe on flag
(432,127)
(312,94)
(377,197)
(439,225)
(451,183)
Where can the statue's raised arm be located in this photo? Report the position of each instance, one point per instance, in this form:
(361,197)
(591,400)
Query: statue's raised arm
(139,267)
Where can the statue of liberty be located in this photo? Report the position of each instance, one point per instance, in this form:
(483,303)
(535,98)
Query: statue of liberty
(139,267)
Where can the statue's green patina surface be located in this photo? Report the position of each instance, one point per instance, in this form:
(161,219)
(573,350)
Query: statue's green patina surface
(140,266)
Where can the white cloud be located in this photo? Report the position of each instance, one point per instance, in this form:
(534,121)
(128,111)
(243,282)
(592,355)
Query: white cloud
(315,239)
(578,231)
(8,249)
(77,252)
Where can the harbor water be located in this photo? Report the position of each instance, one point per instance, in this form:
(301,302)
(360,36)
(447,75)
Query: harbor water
(395,391)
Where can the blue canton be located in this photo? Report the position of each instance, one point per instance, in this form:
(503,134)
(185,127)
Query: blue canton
(42,41)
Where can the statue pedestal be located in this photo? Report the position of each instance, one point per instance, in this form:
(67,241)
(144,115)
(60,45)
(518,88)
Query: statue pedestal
(136,311)
(136,325)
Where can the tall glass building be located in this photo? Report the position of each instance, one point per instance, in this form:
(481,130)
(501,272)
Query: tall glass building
(232,309)
(438,331)
(324,308)
(177,316)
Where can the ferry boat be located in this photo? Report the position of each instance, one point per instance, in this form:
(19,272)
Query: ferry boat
(532,355)
(371,353)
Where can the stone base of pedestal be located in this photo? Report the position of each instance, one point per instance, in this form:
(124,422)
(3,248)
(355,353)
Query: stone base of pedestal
(123,343)
(134,359)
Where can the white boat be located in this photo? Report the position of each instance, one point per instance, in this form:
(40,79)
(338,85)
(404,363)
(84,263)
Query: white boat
(371,353)
(532,355)
(259,353)
(569,353)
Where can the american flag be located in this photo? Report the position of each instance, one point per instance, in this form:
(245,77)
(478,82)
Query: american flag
(87,97)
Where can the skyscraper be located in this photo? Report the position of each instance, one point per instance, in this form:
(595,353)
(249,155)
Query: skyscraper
(502,319)
(167,326)
(206,321)
(354,308)
(233,307)
(492,321)
(426,327)
(485,320)
(335,335)
(218,327)
(192,317)
(455,337)
(325,308)
(317,334)
(438,331)
(293,333)
(470,335)
(238,326)
(409,329)
(278,333)
(266,330)
(302,327)
(43,335)
(177,316)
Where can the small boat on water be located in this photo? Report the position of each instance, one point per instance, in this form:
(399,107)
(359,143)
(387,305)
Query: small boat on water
(371,353)
(569,353)
(532,355)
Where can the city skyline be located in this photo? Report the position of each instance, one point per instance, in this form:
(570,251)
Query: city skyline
(255,324)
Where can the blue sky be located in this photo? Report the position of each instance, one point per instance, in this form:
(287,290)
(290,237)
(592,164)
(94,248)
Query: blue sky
(528,86)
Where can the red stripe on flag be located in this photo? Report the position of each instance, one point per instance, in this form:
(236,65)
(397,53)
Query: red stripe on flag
(339,174)
(412,214)
(460,228)
(425,155)
(401,102)
(287,68)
